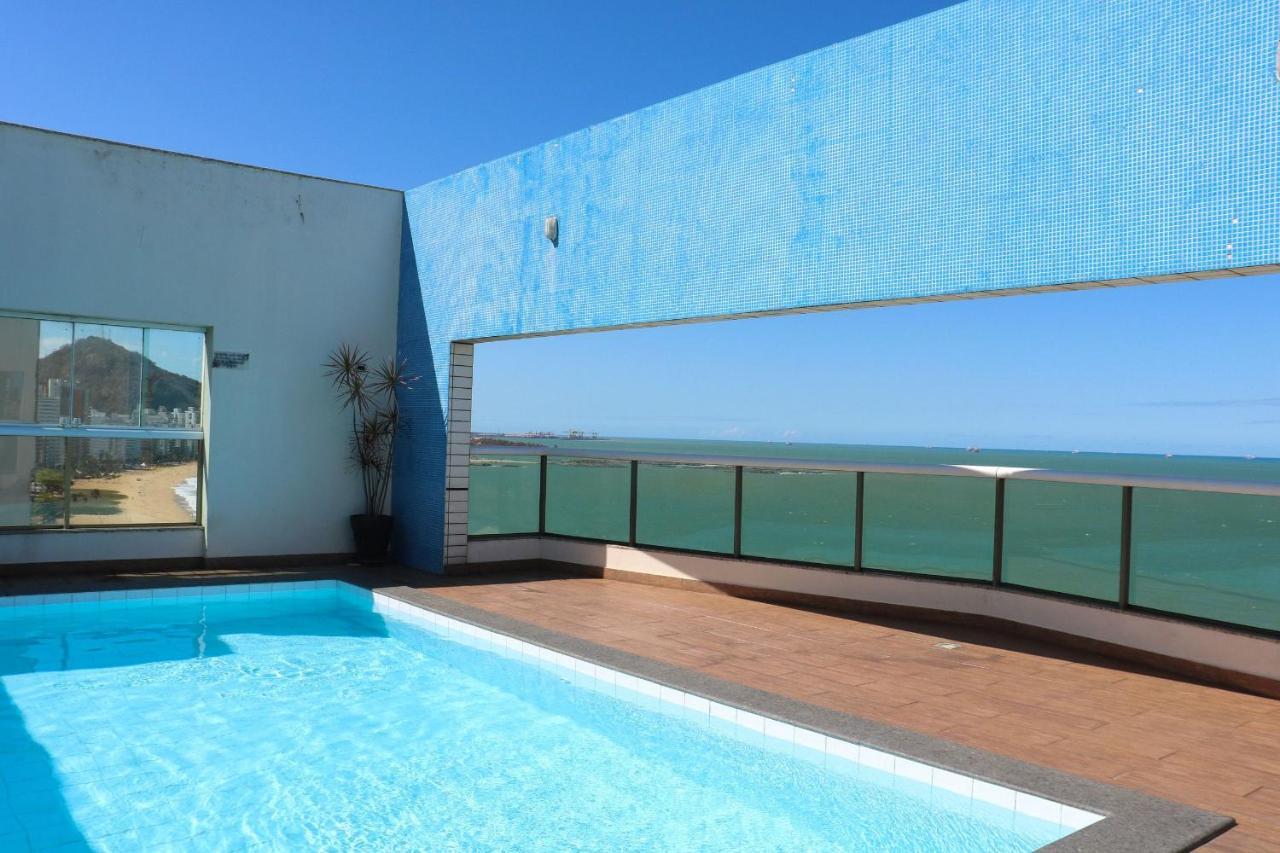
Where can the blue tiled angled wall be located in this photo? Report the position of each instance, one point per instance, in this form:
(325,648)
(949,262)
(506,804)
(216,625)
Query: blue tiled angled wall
(997,144)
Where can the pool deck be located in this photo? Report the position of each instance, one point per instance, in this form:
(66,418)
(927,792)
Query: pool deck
(1204,746)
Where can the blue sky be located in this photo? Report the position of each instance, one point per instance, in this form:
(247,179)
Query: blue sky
(399,93)
(180,352)
(1191,367)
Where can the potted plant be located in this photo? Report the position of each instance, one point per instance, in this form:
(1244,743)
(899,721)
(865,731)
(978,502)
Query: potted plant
(372,394)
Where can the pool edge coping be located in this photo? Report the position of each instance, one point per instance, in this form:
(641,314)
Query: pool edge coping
(1133,822)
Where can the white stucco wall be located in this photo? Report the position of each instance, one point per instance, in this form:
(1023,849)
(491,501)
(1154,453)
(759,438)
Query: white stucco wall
(278,265)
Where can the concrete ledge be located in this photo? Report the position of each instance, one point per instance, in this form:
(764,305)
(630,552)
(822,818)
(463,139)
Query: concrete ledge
(94,545)
(1236,659)
(156,565)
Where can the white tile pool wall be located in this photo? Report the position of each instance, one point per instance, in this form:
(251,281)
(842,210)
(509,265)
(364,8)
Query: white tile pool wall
(836,753)
(768,732)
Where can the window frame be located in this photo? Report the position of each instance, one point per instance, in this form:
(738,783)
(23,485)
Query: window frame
(68,430)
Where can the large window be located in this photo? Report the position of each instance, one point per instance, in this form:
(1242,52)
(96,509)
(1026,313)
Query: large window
(100,424)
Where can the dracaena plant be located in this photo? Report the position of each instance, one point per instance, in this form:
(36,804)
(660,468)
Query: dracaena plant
(372,395)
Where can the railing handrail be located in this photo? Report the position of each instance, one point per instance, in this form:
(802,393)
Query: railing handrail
(41,430)
(993,472)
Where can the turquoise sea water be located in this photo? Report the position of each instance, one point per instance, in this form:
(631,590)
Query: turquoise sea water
(1204,555)
(311,723)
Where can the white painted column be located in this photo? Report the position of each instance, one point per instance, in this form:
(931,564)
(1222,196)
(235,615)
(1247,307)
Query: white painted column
(457,476)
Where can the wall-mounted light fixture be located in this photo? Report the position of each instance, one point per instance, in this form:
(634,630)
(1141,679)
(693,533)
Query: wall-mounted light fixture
(551,228)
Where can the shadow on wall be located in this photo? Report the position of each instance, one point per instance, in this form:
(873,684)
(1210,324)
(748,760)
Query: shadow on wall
(418,477)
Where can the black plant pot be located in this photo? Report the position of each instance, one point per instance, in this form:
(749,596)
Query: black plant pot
(373,537)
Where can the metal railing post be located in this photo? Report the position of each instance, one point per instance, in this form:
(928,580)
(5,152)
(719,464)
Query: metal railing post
(1126,543)
(67,480)
(635,472)
(199,482)
(997,541)
(859,500)
(737,511)
(542,494)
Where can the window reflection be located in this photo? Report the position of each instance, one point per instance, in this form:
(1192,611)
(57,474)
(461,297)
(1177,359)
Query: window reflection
(53,373)
(34,358)
(131,382)
(121,481)
(31,481)
(19,340)
(172,370)
(107,371)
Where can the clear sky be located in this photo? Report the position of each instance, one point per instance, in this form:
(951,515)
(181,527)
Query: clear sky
(1192,367)
(399,93)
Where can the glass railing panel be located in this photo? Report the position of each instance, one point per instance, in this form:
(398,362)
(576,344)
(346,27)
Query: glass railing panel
(1212,556)
(590,498)
(131,481)
(685,506)
(32,484)
(799,515)
(934,525)
(1063,537)
(503,496)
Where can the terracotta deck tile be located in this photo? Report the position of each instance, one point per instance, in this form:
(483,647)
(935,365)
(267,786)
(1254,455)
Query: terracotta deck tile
(1128,738)
(1118,723)
(848,679)
(1266,724)
(931,718)
(1243,841)
(1267,797)
(1082,756)
(806,682)
(858,705)
(1000,735)
(1246,752)
(749,677)
(1234,778)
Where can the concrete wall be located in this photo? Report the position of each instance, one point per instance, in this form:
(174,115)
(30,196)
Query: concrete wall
(278,265)
(992,147)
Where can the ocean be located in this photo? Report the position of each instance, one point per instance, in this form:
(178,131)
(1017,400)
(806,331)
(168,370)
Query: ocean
(1214,467)
(1207,555)
(186,494)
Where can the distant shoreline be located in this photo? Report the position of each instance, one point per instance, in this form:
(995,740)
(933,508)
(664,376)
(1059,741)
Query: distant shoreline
(1239,467)
(542,439)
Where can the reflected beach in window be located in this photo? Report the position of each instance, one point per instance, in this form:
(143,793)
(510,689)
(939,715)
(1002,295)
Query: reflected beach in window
(125,481)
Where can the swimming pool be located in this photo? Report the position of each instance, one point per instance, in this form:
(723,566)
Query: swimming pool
(318,715)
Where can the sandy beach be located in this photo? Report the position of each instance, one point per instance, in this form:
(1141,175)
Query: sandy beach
(143,496)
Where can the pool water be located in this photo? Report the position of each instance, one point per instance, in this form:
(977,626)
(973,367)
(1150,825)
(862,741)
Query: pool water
(302,719)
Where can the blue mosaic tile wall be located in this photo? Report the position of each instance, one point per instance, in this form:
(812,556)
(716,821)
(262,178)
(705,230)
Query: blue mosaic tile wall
(997,144)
